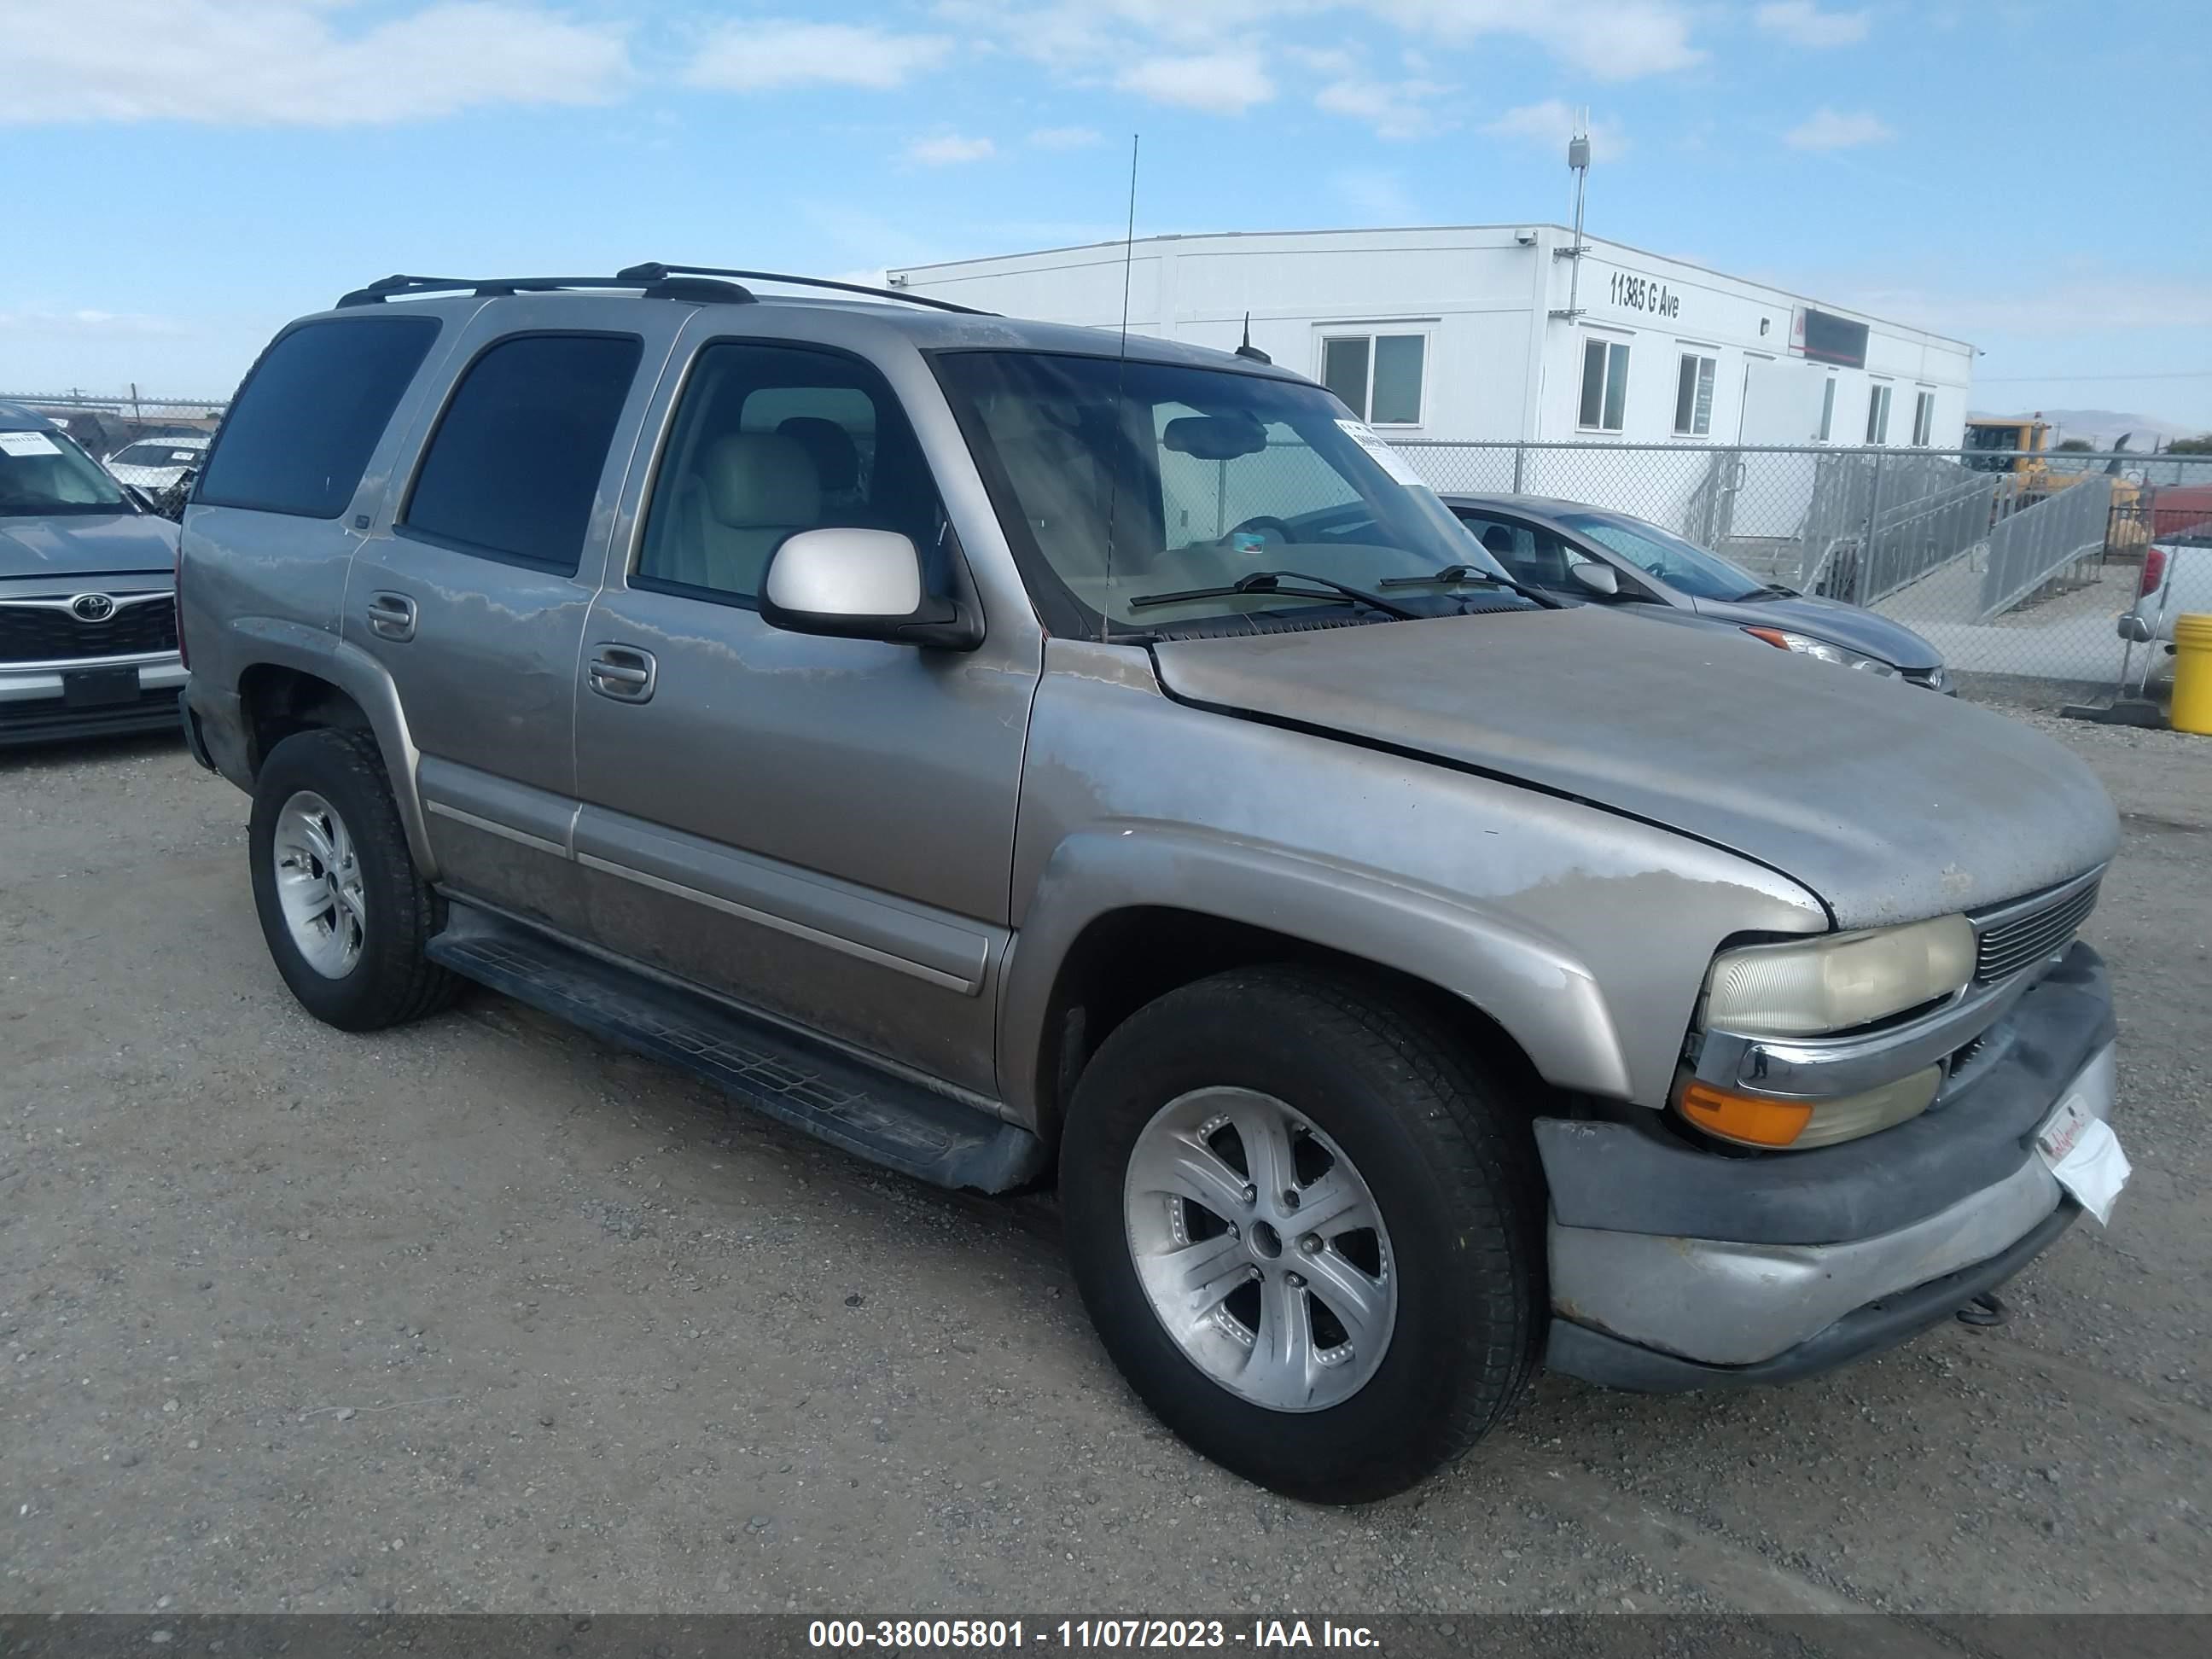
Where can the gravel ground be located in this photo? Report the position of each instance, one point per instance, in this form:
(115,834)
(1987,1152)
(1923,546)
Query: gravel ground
(483,1315)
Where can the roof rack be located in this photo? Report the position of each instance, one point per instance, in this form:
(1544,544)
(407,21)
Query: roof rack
(699,284)
(653,271)
(656,288)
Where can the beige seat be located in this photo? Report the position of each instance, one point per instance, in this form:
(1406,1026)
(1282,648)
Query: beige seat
(748,491)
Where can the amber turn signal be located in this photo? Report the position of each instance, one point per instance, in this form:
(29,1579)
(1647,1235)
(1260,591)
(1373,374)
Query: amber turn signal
(1748,1118)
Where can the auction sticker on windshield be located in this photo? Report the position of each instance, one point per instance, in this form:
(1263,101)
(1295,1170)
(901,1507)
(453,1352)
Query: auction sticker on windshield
(2081,1149)
(1385,457)
(27,443)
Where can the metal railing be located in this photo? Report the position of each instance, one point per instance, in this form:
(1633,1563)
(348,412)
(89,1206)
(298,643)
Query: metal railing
(2015,567)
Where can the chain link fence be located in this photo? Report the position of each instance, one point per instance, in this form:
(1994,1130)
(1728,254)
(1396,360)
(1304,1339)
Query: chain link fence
(2023,570)
(104,424)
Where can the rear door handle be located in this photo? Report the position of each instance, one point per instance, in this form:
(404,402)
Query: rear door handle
(391,615)
(623,672)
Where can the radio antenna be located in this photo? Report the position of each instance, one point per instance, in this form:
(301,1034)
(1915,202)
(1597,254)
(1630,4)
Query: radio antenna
(1114,428)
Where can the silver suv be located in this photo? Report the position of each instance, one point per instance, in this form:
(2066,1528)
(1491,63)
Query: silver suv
(1015,753)
(88,624)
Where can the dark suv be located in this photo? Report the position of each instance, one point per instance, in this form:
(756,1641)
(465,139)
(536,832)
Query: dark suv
(87,609)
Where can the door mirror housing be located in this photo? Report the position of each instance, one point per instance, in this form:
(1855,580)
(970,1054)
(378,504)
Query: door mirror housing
(860,585)
(1600,579)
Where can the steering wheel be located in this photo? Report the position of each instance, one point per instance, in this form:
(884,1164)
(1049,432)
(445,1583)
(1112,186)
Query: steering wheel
(1266,523)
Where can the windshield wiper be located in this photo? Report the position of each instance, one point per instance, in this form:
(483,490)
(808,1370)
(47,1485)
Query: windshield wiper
(1772,591)
(1271,581)
(1471,572)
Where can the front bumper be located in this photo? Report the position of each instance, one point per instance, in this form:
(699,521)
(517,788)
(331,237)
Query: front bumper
(34,706)
(1675,1267)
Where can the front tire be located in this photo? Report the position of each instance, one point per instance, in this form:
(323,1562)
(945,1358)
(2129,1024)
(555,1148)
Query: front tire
(345,912)
(1308,1228)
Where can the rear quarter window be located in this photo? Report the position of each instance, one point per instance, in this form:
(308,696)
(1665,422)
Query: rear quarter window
(302,428)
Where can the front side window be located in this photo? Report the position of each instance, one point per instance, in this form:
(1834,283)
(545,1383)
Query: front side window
(302,430)
(1878,415)
(1693,395)
(771,439)
(45,473)
(513,467)
(1378,376)
(1923,418)
(1121,482)
(1604,386)
(1682,565)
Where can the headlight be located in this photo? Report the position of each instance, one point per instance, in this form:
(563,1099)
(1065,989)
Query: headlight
(1809,986)
(1806,646)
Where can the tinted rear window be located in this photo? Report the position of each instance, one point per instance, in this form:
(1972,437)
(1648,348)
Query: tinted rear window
(307,419)
(514,464)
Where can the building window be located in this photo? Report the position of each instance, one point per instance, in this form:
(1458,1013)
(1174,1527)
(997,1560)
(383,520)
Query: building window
(1878,415)
(1605,384)
(1923,418)
(1827,410)
(1378,376)
(1693,395)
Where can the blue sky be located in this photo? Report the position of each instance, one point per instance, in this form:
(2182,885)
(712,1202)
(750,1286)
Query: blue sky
(187,174)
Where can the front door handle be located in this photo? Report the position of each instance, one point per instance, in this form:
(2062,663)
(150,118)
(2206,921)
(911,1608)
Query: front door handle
(623,672)
(391,615)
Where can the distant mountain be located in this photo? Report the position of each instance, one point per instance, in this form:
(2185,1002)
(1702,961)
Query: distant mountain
(2101,428)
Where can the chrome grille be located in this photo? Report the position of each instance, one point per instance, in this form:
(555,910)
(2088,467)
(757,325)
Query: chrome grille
(48,633)
(2024,934)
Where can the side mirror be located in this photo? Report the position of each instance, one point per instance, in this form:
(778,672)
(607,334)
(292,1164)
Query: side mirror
(860,585)
(1598,578)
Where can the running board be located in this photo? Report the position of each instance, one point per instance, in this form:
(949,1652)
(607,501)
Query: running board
(810,1085)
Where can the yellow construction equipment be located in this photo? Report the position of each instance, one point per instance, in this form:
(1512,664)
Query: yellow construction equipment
(2019,446)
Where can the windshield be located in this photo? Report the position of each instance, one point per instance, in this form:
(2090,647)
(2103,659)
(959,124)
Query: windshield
(1684,567)
(157,454)
(1119,481)
(45,473)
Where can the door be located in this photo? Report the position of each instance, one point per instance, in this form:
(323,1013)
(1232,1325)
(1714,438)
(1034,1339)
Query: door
(821,829)
(1781,405)
(471,586)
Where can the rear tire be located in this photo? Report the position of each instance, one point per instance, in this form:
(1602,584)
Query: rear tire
(1406,1363)
(345,912)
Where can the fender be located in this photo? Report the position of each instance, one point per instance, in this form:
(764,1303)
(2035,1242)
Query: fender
(1531,986)
(271,641)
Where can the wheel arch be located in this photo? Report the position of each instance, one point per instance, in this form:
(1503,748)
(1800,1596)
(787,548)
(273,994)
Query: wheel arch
(1120,919)
(299,679)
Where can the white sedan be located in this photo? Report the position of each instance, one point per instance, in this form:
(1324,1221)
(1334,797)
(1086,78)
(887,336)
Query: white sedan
(154,463)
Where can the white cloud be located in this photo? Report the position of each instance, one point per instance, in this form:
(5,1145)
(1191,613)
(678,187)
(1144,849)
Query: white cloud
(1226,82)
(1611,40)
(1828,130)
(1552,123)
(754,55)
(1395,109)
(1066,137)
(1804,24)
(949,149)
(290,62)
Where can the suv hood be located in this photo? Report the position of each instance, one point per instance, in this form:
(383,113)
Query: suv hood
(1889,804)
(1847,625)
(91,544)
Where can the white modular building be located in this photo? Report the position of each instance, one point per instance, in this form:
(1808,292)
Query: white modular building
(1498,332)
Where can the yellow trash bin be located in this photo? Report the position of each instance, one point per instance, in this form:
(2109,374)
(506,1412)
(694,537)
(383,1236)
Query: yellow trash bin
(2192,673)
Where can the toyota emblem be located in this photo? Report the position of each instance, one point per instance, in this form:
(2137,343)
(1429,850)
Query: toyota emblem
(91,607)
